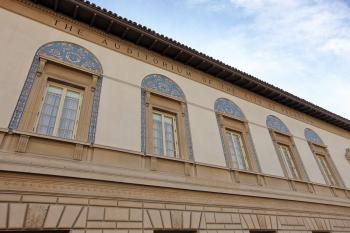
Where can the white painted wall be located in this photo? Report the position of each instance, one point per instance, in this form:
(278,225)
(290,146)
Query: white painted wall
(119,119)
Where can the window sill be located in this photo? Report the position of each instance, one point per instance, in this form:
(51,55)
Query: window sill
(72,141)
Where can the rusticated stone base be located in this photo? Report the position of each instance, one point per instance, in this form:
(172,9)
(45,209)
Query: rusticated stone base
(30,202)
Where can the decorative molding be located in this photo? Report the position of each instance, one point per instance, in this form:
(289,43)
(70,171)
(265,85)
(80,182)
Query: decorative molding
(161,84)
(69,54)
(22,143)
(229,108)
(94,110)
(316,142)
(311,136)
(274,123)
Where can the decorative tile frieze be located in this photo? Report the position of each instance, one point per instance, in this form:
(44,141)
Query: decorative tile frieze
(164,85)
(72,54)
(229,108)
(311,136)
(276,124)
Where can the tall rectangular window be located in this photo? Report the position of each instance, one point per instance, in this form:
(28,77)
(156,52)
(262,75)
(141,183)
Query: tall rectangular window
(325,169)
(165,138)
(288,161)
(59,112)
(239,157)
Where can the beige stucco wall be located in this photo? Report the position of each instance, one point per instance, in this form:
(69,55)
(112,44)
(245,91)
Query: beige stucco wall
(119,119)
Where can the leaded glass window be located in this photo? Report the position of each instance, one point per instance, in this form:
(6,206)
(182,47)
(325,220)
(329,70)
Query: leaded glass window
(165,137)
(238,154)
(59,112)
(288,161)
(325,169)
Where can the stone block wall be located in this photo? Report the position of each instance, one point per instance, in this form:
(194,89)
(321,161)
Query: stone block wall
(98,215)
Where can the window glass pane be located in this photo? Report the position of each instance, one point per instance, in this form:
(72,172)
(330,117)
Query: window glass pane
(157,134)
(69,115)
(237,151)
(288,162)
(48,114)
(169,136)
(326,170)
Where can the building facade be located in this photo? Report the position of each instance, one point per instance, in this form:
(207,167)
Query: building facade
(109,127)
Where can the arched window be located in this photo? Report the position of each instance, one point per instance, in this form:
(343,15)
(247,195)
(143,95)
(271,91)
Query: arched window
(165,123)
(236,140)
(323,158)
(288,155)
(61,93)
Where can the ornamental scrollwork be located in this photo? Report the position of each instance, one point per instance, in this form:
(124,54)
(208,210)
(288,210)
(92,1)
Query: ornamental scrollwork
(72,54)
(164,85)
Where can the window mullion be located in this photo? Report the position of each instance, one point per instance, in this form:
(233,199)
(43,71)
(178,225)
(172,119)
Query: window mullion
(163,136)
(289,161)
(233,151)
(284,159)
(77,116)
(176,146)
(327,171)
(324,170)
(59,112)
(246,164)
(293,165)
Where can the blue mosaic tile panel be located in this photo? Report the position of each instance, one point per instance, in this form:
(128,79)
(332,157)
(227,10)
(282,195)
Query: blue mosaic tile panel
(311,136)
(229,108)
(164,85)
(72,54)
(274,123)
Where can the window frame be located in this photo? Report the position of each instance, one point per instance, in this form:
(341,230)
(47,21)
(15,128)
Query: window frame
(322,150)
(61,74)
(173,116)
(239,126)
(65,89)
(155,101)
(244,158)
(287,140)
(290,166)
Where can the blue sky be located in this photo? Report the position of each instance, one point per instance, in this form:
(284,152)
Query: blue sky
(301,46)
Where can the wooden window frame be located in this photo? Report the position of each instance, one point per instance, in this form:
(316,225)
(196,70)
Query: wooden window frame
(239,126)
(279,138)
(165,104)
(65,89)
(292,167)
(175,131)
(51,71)
(322,150)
